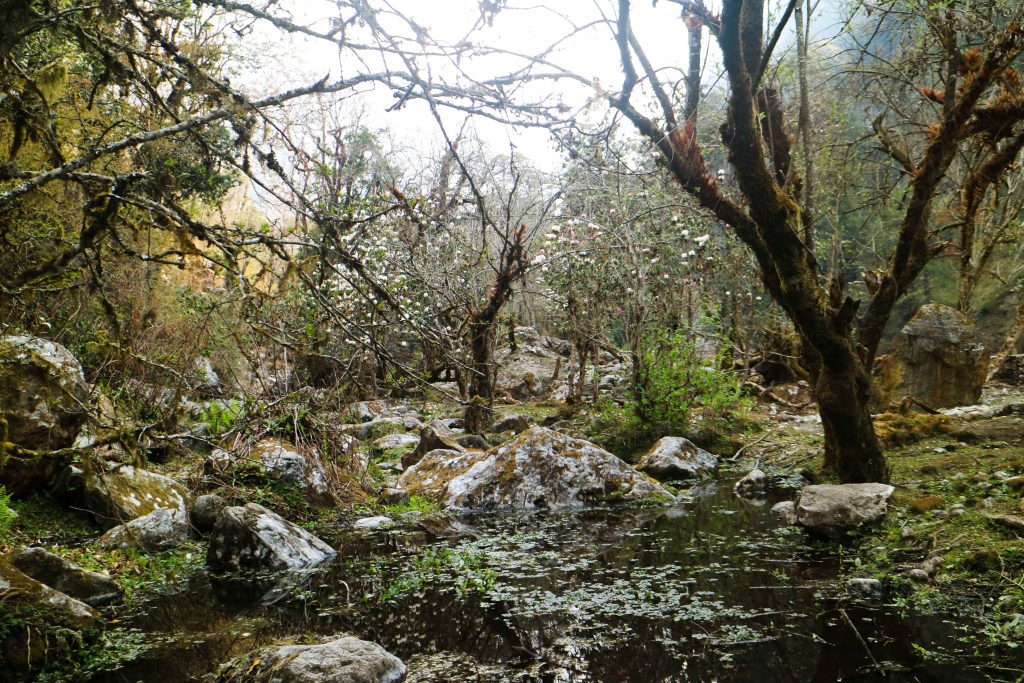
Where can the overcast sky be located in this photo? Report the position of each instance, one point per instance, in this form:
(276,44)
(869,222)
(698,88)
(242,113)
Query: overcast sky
(526,27)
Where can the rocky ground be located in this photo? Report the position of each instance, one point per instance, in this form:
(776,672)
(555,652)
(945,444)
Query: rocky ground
(99,524)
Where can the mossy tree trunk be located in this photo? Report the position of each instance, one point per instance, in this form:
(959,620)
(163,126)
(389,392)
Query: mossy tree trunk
(483,321)
(837,349)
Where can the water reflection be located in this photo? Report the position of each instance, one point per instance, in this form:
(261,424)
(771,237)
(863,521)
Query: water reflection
(708,589)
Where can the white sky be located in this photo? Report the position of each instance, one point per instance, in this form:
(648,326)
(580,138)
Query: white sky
(527,27)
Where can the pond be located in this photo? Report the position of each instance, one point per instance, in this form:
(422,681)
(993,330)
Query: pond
(710,588)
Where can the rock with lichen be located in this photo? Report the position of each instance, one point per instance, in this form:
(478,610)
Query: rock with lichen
(539,468)
(43,398)
(673,458)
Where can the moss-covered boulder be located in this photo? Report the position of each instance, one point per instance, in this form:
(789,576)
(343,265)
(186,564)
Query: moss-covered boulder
(539,468)
(938,358)
(124,493)
(37,623)
(43,398)
(92,588)
(673,458)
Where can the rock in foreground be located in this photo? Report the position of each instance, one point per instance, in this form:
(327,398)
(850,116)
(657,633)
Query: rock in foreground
(253,537)
(674,457)
(345,660)
(832,510)
(92,588)
(539,468)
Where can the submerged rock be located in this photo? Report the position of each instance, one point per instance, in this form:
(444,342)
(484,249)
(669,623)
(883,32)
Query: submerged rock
(755,483)
(832,510)
(345,660)
(539,468)
(92,588)
(253,537)
(159,530)
(42,399)
(673,458)
(125,492)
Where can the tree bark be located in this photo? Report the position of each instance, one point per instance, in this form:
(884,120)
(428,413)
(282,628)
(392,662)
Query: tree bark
(479,410)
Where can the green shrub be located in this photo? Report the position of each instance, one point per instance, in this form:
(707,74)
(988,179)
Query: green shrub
(675,391)
(7,514)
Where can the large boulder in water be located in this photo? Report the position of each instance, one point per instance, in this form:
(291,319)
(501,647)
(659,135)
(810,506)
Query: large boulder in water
(253,537)
(831,511)
(42,398)
(673,457)
(345,660)
(123,493)
(539,468)
(938,358)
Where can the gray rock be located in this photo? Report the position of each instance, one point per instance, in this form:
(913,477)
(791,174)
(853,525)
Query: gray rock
(433,436)
(42,398)
(1011,522)
(92,588)
(345,660)
(391,442)
(393,496)
(18,587)
(125,492)
(207,382)
(753,484)
(938,358)
(253,537)
(363,411)
(205,511)
(918,575)
(473,441)
(515,422)
(864,586)
(832,510)
(159,530)
(539,468)
(785,511)
(673,458)
(372,522)
(277,460)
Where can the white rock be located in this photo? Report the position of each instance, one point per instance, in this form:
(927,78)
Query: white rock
(832,510)
(539,468)
(673,457)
